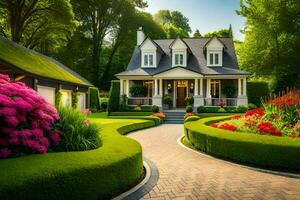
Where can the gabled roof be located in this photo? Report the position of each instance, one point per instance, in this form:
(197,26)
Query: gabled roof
(153,42)
(35,63)
(179,38)
(196,61)
(214,37)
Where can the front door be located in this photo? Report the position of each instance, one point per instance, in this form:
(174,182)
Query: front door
(181,94)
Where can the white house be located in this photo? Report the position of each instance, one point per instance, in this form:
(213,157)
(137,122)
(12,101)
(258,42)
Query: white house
(205,68)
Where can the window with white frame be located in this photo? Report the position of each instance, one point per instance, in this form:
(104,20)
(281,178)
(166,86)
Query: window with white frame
(214,59)
(178,59)
(148,60)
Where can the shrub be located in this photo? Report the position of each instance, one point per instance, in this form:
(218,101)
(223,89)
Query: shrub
(75,96)
(221,110)
(201,109)
(241,109)
(138,109)
(257,90)
(229,91)
(26,120)
(251,106)
(191,119)
(155,108)
(79,133)
(189,109)
(123,103)
(146,108)
(168,100)
(138,90)
(58,96)
(189,100)
(94,99)
(114,96)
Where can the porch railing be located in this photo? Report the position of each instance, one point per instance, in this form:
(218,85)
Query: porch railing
(224,102)
(140,101)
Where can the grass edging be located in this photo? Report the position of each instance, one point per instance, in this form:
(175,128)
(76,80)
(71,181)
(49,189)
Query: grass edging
(97,174)
(258,150)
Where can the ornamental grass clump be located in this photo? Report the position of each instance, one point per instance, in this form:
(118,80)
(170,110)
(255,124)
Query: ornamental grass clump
(79,134)
(26,120)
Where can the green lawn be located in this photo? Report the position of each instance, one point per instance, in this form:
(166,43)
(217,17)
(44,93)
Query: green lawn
(97,174)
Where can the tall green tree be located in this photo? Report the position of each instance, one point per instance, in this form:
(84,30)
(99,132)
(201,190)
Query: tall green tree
(272,40)
(197,34)
(219,33)
(174,23)
(39,24)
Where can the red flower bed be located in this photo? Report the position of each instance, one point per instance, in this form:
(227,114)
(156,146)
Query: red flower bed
(268,128)
(188,115)
(227,127)
(258,112)
(289,99)
(161,115)
(214,125)
(236,116)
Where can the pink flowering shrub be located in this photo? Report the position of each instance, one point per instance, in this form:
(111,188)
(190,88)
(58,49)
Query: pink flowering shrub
(26,120)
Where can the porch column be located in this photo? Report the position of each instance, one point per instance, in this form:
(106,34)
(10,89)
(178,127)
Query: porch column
(239,87)
(196,89)
(127,88)
(242,99)
(121,87)
(208,88)
(201,87)
(160,87)
(245,86)
(157,99)
(155,87)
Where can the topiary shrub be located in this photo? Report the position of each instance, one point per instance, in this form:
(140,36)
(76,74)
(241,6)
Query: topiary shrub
(257,90)
(26,120)
(94,99)
(168,100)
(114,97)
(78,133)
(155,109)
(189,109)
(189,100)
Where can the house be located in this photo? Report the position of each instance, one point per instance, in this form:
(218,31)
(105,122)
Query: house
(205,68)
(44,74)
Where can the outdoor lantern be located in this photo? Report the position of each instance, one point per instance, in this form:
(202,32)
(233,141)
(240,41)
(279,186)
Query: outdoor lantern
(169,87)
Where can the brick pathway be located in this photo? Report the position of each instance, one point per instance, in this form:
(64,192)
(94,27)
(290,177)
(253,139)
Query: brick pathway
(188,175)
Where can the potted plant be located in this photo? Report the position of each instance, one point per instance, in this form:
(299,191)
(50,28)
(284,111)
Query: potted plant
(189,100)
(138,90)
(167,101)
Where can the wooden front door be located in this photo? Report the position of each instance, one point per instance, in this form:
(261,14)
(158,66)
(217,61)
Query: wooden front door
(181,94)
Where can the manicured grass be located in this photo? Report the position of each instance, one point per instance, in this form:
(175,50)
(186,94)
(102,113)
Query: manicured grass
(259,150)
(97,174)
(35,63)
(131,113)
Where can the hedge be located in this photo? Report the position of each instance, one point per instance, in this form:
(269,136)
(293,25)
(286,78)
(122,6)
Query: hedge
(94,99)
(258,150)
(97,174)
(156,120)
(144,108)
(257,90)
(114,97)
(131,113)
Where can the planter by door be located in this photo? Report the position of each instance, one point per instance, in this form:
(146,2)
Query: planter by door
(181,94)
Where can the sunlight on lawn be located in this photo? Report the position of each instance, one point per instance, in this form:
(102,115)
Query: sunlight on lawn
(102,118)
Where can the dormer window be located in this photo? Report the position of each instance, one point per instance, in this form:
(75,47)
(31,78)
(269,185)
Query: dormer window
(148,59)
(179,59)
(214,59)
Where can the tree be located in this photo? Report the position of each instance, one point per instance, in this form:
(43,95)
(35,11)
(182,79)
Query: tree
(219,33)
(174,22)
(39,24)
(197,34)
(272,40)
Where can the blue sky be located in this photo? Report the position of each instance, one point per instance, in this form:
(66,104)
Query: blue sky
(205,15)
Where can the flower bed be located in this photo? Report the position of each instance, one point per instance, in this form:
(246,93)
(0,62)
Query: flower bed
(279,117)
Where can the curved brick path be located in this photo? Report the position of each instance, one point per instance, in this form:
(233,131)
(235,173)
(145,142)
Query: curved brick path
(189,175)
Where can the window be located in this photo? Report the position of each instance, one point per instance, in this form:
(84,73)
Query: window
(214,59)
(178,59)
(148,60)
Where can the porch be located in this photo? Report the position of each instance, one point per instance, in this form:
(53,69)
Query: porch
(226,92)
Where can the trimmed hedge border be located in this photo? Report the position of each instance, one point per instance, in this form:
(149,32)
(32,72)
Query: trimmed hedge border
(97,174)
(259,150)
(130,113)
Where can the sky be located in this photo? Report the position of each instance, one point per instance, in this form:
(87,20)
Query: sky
(205,15)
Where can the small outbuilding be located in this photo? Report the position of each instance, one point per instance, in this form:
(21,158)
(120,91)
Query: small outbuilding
(44,74)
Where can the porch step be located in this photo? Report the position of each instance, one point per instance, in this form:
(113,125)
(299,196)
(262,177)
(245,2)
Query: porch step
(173,117)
